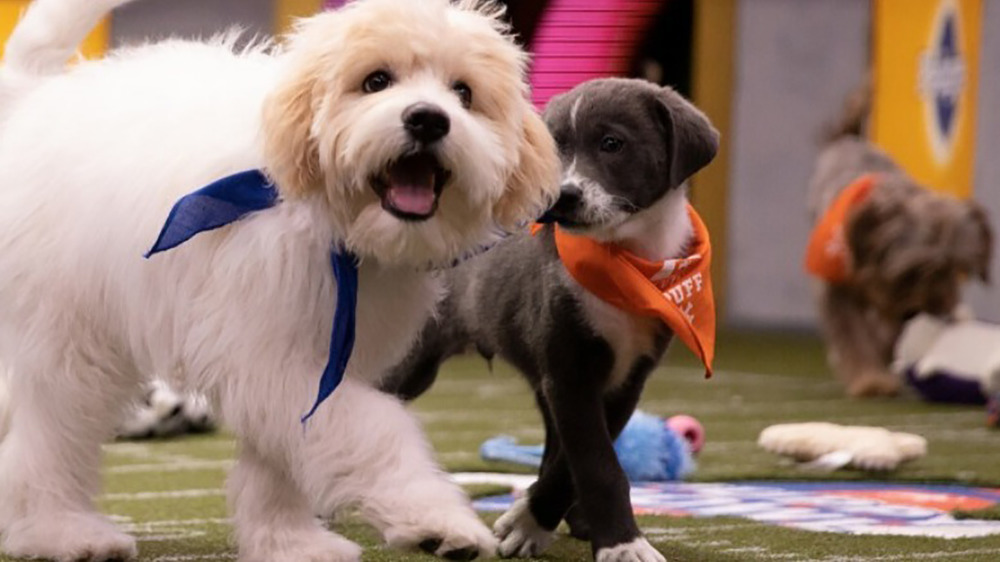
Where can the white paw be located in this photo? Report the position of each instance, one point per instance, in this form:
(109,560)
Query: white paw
(300,545)
(455,534)
(520,535)
(638,550)
(66,537)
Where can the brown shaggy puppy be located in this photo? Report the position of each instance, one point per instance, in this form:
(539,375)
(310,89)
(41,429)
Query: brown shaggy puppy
(908,250)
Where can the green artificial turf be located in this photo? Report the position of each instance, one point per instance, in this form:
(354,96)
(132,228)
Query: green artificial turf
(990,513)
(169,493)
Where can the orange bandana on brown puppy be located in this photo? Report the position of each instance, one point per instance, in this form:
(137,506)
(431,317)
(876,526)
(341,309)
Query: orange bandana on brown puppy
(827,257)
(677,291)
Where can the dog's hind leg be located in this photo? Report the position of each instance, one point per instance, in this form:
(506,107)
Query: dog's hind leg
(365,448)
(63,408)
(274,521)
(441,338)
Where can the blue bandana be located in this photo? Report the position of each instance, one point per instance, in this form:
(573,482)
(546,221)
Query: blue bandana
(231,198)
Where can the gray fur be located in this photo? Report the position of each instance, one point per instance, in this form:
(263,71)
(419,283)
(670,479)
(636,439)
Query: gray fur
(910,250)
(517,301)
(667,138)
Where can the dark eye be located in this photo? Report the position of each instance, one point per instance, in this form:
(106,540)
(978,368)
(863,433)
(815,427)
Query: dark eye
(464,93)
(611,144)
(376,82)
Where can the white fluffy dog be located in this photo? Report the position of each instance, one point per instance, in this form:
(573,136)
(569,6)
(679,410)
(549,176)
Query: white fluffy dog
(398,130)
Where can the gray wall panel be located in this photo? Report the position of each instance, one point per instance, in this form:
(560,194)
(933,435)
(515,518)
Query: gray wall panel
(796,62)
(147,19)
(986,300)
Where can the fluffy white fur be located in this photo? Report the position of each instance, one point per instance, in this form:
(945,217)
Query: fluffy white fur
(870,448)
(4,403)
(93,158)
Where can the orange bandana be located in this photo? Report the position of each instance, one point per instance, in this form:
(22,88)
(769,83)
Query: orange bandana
(677,291)
(826,255)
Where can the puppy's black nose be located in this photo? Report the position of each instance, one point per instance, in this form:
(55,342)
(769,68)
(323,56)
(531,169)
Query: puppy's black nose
(570,197)
(426,122)
(565,209)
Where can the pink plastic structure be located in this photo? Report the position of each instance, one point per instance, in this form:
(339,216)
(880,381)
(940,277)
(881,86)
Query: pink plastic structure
(578,40)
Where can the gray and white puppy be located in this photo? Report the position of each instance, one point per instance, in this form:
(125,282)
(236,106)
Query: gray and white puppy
(627,146)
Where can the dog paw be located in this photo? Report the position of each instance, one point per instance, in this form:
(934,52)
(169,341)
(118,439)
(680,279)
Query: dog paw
(639,550)
(520,534)
(304,545)
(457,535)
(68,537)
(874,384)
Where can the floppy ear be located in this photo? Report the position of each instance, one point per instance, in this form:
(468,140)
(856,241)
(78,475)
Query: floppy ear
(289,150)
(693,141)
(534,184)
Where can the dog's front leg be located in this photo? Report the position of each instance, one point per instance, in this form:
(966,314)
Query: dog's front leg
(859,343)
(274,520)
(528,527)
(602,489)
(363,448)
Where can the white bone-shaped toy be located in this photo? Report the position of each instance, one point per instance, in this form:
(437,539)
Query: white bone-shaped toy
(832,445)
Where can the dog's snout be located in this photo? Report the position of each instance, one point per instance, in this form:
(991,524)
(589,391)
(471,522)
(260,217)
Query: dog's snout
(566,207)
(570,197)
(426,122)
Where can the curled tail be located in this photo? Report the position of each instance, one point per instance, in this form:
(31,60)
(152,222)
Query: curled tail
(49,33)
(853,121)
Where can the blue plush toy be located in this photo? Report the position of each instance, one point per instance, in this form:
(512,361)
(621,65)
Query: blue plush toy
(650,449)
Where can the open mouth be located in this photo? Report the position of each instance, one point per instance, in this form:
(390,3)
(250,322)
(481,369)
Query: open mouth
(410,186)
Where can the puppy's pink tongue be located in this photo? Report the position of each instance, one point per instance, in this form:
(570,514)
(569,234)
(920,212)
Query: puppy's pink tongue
(411,186)
(415,199)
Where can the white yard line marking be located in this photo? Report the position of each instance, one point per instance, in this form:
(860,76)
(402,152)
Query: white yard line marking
(140,496)
(155,526)
(171,466)
(454,456)
(527,432)
(188,557)
(176,536)
(909,556)
(694,528)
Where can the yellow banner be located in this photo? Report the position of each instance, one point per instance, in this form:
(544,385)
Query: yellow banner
(926,65)
(10,11)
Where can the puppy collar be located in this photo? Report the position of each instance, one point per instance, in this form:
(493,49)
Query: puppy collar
(676,291)
(827,255)
(233,197)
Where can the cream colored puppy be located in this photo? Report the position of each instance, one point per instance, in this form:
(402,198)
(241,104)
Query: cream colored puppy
(397,130)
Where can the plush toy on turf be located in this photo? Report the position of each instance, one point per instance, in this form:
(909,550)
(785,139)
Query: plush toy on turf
(830,446)
(162,412)
(955,362)
(650,448)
